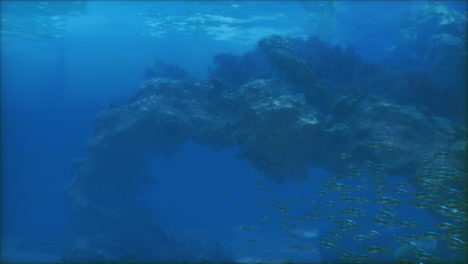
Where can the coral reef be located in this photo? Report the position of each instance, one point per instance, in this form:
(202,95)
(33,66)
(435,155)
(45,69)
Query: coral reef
(433,43)
(278,50)
(161,69)
(312,103)
(274,128)
(236,70)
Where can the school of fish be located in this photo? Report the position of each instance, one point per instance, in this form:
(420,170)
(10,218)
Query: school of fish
(344,201)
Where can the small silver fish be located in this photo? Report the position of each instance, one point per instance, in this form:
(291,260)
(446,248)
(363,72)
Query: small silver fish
(376,249)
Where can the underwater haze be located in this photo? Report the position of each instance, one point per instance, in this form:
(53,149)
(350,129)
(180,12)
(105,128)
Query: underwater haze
(233,132)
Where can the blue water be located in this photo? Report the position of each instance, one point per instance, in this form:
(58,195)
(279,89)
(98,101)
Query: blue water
(48,80)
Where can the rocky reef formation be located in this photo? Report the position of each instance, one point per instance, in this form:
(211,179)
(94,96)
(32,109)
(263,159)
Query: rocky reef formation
(431,46)
(273,127)
(435,35)
(283,121)
(161,69)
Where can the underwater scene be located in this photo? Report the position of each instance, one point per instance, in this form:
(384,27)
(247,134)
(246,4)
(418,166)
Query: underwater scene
(234,132)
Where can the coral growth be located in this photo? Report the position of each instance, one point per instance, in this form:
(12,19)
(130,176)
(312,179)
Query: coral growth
(161,69)
(313,102)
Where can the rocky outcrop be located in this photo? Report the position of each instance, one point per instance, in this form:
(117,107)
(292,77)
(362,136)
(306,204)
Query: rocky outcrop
(433,42)
(280,134)
(283,126)
(273,127)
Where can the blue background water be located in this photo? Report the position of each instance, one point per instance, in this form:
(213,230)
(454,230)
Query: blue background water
(46,115)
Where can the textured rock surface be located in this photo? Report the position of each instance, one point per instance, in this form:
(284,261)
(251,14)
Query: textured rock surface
(283,125)
(273,127)
(434,27)
(433,42)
